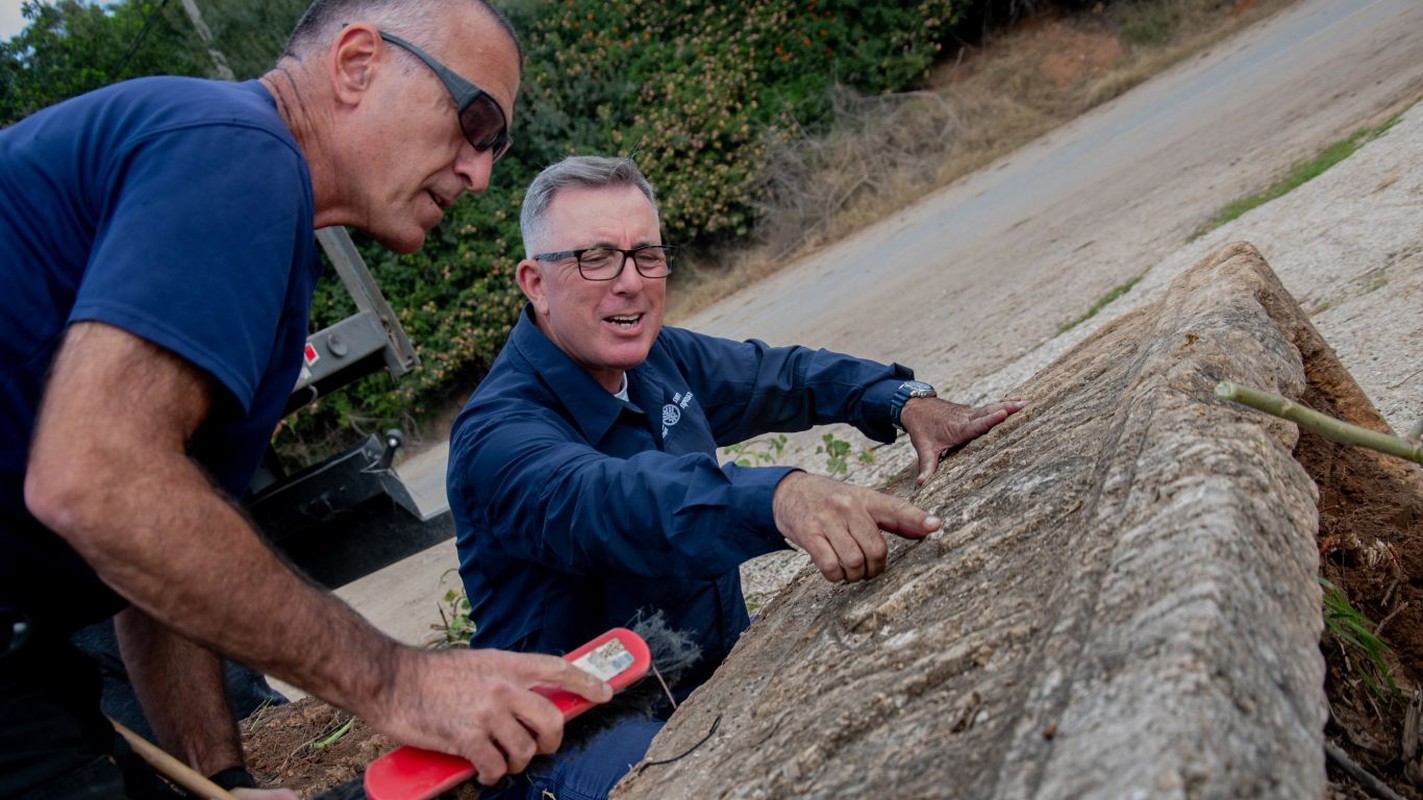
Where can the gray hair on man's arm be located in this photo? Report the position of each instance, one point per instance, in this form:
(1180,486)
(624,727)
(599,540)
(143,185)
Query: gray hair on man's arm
(584,172)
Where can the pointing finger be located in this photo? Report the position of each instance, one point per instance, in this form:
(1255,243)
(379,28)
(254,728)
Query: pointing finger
(901,517)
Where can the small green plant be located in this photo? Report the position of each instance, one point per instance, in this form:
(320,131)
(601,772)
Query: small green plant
(1354,631)
(1300,175)
(757,452)
(836,451)
(1100,304)
(455,627)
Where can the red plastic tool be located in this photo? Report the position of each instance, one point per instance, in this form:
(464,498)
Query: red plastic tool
(619,657)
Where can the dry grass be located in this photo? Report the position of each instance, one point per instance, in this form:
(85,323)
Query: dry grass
(887,153)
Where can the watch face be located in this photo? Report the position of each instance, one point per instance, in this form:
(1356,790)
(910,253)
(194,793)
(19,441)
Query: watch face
(918,388)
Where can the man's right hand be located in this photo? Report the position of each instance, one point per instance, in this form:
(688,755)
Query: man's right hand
(477,704)
(839,525)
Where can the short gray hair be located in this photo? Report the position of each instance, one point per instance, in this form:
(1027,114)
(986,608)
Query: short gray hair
(418,20)
(584,172)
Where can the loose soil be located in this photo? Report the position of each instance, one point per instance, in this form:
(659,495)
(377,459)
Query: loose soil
(280,743)
(1370,543)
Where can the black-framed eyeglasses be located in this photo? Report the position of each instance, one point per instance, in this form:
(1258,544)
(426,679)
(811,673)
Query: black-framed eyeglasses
(607,263)
(480,117)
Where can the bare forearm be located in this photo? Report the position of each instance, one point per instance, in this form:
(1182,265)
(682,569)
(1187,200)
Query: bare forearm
(180,685)
(109,472)
(177,550)
(180,552)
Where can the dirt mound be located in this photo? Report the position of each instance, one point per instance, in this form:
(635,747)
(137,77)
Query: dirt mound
(1370,546)
(297,746)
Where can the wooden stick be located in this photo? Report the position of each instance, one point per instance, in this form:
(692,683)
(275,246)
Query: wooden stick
(171,768)
(1368,782)
(1322,424)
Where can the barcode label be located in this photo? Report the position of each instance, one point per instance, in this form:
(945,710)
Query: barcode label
(605,660)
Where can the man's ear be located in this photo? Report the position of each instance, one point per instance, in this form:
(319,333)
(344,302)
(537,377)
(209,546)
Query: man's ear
(353,58)
(530,277)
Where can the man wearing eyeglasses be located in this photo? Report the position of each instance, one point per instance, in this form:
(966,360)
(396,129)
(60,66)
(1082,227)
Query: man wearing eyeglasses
(583,475)
(157,260)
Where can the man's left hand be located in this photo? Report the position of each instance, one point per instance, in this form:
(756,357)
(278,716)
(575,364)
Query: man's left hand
(936,426)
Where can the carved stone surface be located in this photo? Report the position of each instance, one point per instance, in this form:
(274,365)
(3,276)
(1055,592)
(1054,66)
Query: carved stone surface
(1123,602)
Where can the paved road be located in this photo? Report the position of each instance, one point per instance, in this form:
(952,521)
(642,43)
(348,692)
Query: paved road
(986,270)
(991,266)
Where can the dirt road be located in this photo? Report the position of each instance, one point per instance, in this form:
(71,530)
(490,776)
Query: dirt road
(982,274)
(989,268)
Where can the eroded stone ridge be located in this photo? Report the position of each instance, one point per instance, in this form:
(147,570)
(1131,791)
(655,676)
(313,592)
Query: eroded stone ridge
(1123,602)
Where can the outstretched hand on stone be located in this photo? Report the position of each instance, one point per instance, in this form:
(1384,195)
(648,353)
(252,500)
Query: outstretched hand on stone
(936,426)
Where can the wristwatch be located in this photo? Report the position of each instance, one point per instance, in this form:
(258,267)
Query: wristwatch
(902,395)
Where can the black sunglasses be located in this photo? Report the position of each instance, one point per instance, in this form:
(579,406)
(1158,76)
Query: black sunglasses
(481,119)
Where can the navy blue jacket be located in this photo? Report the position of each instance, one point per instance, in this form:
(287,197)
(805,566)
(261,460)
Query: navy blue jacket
(575,511)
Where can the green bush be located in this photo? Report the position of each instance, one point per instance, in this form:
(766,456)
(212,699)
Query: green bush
(71,47)
(699,93)
(696,92)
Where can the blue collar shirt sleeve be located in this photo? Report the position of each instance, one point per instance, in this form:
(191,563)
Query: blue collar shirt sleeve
(576,510)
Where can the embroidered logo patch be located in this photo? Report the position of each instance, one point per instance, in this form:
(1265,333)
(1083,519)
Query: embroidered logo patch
(671,414)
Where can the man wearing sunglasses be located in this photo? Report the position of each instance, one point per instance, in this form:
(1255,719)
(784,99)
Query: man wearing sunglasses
(157,259)
(583,473)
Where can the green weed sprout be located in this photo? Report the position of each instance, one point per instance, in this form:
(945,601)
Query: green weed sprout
(335,737)
(1355,631)
(836,451)
(455,627)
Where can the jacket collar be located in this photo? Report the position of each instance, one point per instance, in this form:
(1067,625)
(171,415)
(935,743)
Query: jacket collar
(592,408)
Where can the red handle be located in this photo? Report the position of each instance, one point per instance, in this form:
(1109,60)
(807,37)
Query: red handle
(619,657)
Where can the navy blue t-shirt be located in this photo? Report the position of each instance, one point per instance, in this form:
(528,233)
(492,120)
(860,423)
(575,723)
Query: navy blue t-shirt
(179,210)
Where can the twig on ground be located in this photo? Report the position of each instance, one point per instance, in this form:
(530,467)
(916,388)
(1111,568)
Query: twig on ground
(1390,616)
(1389,593)
(1366,779)
(1322,424)
(1408,378)
(1412,769)
(1410,726)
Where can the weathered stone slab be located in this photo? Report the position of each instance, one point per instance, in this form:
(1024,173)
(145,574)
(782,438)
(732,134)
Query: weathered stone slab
(1123,603)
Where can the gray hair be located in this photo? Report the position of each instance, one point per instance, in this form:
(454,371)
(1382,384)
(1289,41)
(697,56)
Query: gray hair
(584,172)
(420,21)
